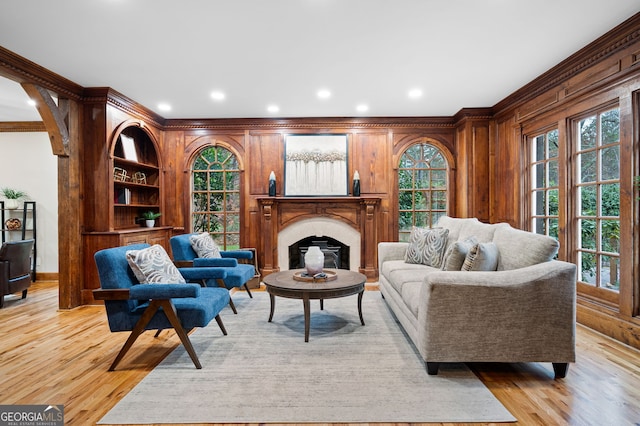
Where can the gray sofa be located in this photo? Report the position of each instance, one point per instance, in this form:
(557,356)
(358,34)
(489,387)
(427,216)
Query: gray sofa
(522,310)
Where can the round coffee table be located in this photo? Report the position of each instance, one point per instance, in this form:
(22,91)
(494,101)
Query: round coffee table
(283,284)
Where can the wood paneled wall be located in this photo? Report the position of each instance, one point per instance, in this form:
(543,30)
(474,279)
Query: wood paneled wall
(604,74)
(485,148)
(374,148)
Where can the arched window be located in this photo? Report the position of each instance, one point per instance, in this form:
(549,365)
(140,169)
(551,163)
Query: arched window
(422,188)
(215,196)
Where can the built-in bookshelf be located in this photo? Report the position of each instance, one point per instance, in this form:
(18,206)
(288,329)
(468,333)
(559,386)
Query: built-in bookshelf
(136,177)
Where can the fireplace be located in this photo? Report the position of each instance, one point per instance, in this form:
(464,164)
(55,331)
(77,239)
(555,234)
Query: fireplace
(336,254)
(351,221)
(318,228)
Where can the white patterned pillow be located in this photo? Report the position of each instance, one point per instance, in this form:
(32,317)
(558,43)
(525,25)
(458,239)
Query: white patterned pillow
(153,265)
(204,246)
(481,257)
(427,246)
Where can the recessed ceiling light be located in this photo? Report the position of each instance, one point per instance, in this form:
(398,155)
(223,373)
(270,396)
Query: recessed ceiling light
(324,94)
(362,108)
(164,107)
(273,108)
(415,93)
(31,102)
(217,95)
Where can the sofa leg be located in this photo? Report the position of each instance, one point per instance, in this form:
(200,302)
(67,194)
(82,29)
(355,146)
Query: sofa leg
(432,368)
(560,369)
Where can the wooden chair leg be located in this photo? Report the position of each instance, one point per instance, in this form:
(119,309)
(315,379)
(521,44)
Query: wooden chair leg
(246,287)
(221,325)
(157,332)
(222,285)
(172,315)
(137,331)
(232,306)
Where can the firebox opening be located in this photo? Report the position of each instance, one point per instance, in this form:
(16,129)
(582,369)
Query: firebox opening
(336,254)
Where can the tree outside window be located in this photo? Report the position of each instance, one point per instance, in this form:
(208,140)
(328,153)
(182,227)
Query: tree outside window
(422,192)
(597,200)
(544,183)
(215,196)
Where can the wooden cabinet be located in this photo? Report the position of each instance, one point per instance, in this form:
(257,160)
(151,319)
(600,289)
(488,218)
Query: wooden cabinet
(96,241)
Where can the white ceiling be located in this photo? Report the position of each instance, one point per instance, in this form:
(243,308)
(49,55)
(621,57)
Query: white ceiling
(460,53)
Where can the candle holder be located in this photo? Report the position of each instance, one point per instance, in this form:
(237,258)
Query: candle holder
(272,184)
(356,184)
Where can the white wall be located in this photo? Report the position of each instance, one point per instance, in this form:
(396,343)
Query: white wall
(27,164)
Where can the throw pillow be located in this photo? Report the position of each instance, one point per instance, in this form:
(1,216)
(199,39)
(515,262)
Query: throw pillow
(456,254)
(204,246)
(427,246)
(481,257)
(153,265)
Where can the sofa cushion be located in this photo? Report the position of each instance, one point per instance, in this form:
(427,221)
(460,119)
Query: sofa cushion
(204,246)
(398,272)
(152,265)
(483,232)
(481,257)
(519,249)
(456,254)
(427,246)
(454,225)
(411,295)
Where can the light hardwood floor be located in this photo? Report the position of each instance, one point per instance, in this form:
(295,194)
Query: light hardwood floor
(48,356)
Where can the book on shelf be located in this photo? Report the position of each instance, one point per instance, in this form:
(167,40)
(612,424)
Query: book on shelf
(123,196)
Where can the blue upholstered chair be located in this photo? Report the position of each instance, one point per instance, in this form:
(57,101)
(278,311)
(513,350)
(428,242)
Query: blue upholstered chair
(138,307)
(237,274)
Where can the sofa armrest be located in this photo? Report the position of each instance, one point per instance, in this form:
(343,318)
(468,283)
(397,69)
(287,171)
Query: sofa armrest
(391,251)
(529,312)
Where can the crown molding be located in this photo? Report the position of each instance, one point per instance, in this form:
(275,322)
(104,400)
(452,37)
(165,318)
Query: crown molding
(611,43)
(22,70)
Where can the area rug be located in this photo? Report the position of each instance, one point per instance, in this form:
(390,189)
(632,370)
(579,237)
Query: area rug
(264,372)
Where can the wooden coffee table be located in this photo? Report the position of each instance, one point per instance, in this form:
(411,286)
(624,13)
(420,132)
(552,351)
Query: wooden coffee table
(283,284)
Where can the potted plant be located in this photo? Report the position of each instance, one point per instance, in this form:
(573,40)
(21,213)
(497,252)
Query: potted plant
(150,218)
(12,196)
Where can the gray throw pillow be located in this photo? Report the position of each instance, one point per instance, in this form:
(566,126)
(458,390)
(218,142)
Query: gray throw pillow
(456,254)
(481,257)
(427,246)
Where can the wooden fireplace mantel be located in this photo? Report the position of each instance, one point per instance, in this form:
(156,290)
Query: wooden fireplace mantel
(276,213)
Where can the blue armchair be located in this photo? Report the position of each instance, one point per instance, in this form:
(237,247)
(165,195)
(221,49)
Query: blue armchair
(135,307)
(237,274)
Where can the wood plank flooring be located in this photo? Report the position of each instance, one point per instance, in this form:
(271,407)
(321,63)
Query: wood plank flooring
(48,356)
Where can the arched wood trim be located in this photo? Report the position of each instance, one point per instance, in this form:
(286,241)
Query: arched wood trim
(55,117)
(141,125)
(198,144)
(191,152)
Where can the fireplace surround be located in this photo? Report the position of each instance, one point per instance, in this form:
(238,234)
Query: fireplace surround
(351,220)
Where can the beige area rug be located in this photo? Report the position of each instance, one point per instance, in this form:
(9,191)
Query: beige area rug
(264,372)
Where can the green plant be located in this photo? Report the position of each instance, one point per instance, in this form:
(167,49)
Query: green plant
(13,194)
(151,215)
